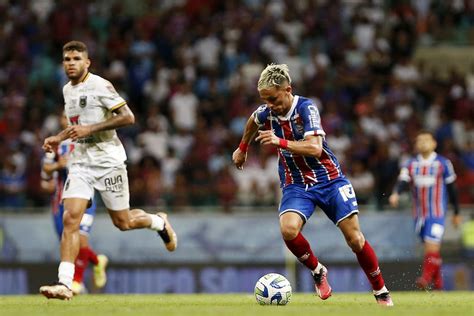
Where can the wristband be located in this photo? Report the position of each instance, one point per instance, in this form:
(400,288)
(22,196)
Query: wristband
(283,143)
(243,146)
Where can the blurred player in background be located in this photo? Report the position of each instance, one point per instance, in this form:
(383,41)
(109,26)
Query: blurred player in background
(431,177)
(310,176)
(94,110)
(53,177)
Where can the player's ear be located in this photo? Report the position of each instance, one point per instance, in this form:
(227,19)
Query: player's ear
(88,62)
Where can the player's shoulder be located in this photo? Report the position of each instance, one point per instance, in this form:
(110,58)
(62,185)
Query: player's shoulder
(442,159)
(304,102)
(262,108)
(103,84)
(96,79)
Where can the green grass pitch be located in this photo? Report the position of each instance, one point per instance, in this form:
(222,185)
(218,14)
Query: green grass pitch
(353,304)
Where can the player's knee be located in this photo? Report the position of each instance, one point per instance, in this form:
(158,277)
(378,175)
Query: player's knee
(289,231)
(356,242)
(71,220)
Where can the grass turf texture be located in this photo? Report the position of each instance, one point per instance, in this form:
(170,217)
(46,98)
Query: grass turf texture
(353,304)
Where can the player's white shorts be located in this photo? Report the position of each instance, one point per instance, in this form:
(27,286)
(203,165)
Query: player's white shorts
(112,184)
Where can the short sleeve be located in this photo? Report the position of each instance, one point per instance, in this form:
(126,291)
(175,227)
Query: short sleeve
(109,97)
(448,174)
(49,157)
(311,120)
(261,114)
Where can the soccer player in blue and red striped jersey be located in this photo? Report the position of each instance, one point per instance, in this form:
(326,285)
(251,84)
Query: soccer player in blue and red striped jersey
(431,177)
(310,176)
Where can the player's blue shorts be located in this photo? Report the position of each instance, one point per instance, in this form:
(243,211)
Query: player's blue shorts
(430,229)
(86,222)
(336,198)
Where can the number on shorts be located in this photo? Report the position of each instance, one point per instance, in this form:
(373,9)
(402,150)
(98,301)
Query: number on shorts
(347,192)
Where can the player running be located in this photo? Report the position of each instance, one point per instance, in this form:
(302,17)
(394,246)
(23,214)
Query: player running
(431,177)
(310,176)
(94,110)
(53,177)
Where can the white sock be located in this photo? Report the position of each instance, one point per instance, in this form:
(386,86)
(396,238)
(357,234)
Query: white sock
(382,290)
(66,273)
(157,223)
(318,268)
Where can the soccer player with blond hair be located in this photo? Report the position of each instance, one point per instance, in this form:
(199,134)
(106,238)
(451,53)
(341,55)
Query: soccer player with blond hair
(310,176)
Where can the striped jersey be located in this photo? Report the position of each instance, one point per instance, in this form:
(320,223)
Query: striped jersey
(301,120)
(429,178)
(64,149)
(92,101)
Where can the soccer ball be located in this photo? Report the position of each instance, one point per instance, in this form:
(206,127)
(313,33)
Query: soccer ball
(272,289)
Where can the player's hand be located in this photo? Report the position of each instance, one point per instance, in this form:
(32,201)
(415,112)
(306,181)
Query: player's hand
(267,137)
(393,199)
(456,220)
(79,131)
(51,144)
(238,158)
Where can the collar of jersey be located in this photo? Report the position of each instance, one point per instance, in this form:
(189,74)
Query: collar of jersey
(287,116)
(431,158)
(83,80)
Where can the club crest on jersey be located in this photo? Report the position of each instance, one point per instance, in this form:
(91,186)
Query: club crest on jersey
(83,101)
(298,123)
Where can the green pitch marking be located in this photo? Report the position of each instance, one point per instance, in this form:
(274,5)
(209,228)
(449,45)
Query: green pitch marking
(350,304)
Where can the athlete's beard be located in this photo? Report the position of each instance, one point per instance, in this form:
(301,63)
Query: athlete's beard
(76,77)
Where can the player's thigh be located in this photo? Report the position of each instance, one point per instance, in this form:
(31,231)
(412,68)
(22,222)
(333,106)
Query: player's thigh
(338,200)
(113,188)
(297,200)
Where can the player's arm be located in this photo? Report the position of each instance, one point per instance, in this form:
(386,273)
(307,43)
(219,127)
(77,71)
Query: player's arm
(51,143)
(240,154)
(47,183)
(50,167)
(311,146)
(454,200)
(403,184)
(48,186)
(123,117)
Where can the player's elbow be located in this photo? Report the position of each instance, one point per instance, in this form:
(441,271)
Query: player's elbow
(129,119)
(316,150)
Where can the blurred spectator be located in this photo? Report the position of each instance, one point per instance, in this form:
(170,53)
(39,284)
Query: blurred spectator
(362,181)
(189,71)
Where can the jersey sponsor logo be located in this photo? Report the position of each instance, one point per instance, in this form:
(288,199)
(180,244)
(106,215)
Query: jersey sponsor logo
(314,118)
(114,184)
(424,180)
(83,101)
(66,186)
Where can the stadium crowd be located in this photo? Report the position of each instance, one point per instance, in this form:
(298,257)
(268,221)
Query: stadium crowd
(189,69)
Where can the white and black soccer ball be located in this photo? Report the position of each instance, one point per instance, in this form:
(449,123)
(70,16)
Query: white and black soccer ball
(273,289)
